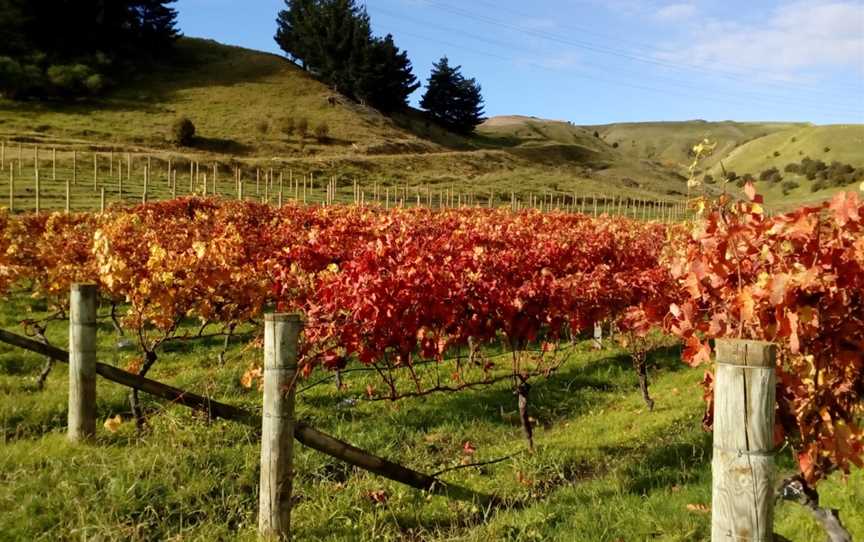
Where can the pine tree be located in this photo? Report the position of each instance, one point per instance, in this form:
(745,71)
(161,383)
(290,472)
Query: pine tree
(67,47)
(157,24)
(452,100)
(328,37)
(386,80)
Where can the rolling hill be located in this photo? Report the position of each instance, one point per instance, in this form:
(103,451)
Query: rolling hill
(240,100)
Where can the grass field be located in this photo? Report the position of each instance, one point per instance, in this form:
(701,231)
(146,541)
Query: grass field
(605,469)
(239,99)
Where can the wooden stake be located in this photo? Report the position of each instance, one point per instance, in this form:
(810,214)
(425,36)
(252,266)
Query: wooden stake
(74,167)
(742,468)
(54,163)
(82,362)
(68,195)
(102,200)
(11,188)
(281,334)
(146,178)
(38,194)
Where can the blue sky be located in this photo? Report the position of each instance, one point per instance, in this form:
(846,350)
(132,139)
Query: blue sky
(599,61)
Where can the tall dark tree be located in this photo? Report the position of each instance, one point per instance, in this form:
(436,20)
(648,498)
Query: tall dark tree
(333,40)
(68,47)
(387,79)
(451,99)
(328,37)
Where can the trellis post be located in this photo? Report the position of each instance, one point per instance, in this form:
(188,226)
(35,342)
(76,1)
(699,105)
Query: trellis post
(743,461)
(281,333)
(82,362)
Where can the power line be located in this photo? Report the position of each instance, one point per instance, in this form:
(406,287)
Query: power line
(773,100)
(588,46)
(618,38)
(591,78)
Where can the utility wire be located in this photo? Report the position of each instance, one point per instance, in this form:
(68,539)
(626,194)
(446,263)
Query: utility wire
(599,49)
(771,101)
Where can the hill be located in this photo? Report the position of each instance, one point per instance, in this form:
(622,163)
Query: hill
(669,143)
(240,99)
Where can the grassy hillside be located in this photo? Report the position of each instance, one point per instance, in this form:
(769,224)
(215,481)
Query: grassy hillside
(843,143)
(239,99)
(236,97)
(613,171)
(669,143)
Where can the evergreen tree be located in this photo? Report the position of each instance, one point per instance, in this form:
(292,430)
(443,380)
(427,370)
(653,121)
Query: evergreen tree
(386,79)
(68,47)
(333,40)
(451,99)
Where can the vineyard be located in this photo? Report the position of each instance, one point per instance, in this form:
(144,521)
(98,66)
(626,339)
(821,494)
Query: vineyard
(462,332)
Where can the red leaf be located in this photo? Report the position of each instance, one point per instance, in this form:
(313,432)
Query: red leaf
(845,206)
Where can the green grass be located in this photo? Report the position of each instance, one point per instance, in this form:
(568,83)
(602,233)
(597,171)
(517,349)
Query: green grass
(670,143)
(232,93)
(605,469)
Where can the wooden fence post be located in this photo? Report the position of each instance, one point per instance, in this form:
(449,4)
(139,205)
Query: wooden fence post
(281,333)
(102,200)
(598,336)
(743,463)
(68,196)
(38,194)
(11,187)
(82,362)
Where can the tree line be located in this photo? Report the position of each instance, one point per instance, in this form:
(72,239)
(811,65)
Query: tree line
(71,48)
(333,40)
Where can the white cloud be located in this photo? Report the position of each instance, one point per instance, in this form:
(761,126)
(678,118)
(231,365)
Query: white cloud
(674,13)
(794,37)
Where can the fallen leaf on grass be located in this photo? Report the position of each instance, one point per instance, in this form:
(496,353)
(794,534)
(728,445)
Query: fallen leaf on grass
(379,496)
(113,424)
(700,508)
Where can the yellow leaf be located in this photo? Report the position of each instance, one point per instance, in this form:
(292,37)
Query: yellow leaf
(113,424)
(200,248)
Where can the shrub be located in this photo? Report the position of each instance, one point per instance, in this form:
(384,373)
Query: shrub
(771,175)
(821,184)
(72,79)
(322,132)
(709,179)
(731,176)
(789,186)
(827,149)
(183,132)
(302,127)
(776,154)
(94,84)
(615,145)
(596,133)
(263,126)
(792,168)
(287,126)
